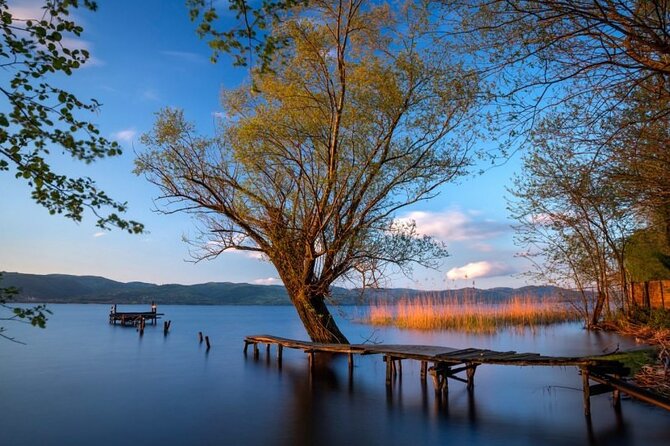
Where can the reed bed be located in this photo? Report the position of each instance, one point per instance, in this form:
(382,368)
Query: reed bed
(436,313)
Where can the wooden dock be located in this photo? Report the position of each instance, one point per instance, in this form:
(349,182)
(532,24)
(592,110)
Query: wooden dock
(446,363)
(134,318)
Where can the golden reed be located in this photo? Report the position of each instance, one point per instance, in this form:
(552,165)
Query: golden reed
(439,313)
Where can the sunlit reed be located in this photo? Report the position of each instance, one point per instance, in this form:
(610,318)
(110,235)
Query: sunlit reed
(438,313)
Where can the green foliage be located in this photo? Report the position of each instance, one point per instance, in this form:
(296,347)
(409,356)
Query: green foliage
(633,360)
(37,118)
(647,256)
(35,316)
(655,318)
(250,36)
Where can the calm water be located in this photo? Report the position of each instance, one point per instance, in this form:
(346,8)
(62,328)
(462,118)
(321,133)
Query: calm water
(82,381)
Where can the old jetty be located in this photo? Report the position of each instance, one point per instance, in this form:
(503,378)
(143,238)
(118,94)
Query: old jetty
(446,363)
(134,318)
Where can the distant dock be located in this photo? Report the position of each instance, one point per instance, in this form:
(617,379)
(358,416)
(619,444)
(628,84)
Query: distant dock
(447,362)
(134,318)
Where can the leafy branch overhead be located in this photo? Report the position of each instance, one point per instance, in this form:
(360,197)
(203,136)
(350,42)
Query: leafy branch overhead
(251,37)
(39,119)
(35,316)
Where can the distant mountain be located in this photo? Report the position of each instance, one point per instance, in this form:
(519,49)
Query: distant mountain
(63,288)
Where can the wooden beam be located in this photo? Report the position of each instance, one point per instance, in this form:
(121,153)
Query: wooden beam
(587,392)
(599,389)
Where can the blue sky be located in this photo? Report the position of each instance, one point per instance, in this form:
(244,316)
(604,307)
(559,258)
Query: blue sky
(146,56)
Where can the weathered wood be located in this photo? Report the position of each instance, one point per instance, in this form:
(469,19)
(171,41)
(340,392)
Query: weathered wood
(616,397)
(599,389)
(470,373)
(442,354)
(632,390)
(587,392)
(606,372)
(280,350)
(389,369)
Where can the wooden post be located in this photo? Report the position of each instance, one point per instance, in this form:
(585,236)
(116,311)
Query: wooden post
(200,336)
(389,369)
(267,350)
(141,326)
(470,373)
(246,346)
(662,284)
(280,349)
(351,362)
(207,342)
(424,369)
(587,392)
(310,358)
(616,396)
(256,352)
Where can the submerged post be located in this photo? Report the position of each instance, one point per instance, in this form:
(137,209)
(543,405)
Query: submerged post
(207,342)
(470,373)
(200,336)
(389,369)
(587,392)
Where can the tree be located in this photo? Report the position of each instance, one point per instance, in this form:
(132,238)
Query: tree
(38,119)
(315,157)
(573,215)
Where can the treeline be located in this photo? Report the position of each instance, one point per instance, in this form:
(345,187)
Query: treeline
(63,288)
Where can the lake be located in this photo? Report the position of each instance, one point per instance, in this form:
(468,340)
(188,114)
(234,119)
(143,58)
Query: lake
(83,381)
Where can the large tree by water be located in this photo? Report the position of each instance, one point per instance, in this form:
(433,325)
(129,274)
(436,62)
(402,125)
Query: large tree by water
(352,120)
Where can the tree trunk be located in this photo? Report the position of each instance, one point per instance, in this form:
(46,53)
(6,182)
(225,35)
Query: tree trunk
(598,308)
(316,318)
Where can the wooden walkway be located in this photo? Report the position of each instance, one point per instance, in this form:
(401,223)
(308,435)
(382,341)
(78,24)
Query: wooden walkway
(448,362)
(134,318)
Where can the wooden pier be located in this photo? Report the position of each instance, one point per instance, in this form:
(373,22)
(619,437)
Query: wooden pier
(446,363)
(134,318)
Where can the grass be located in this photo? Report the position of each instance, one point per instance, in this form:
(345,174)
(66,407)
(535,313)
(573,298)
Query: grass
(635,360)
(432,313)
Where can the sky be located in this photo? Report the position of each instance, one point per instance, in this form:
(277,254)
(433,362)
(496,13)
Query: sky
(147,56)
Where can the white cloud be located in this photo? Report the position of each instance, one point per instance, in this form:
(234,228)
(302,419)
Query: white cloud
(150,95)
(186,56)
(483,247)
(251,254)
(99,234)
(126,135)
(268,281)
(32,10)
(455,225)
(475,270)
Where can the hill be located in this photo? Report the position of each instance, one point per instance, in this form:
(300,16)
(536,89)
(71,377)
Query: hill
(63,288)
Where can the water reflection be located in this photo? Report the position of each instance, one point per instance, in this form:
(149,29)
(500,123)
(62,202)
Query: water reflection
(82,381)
(316,402)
